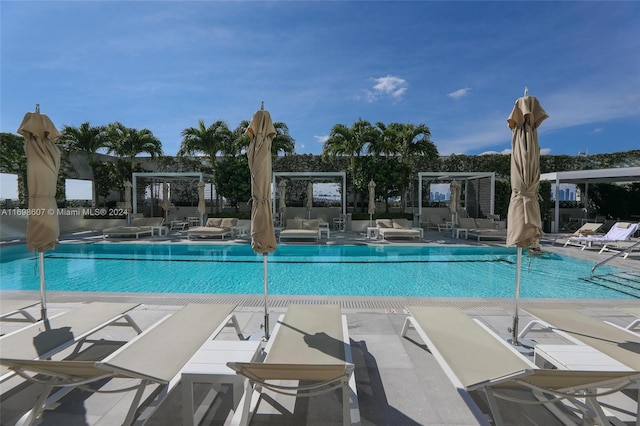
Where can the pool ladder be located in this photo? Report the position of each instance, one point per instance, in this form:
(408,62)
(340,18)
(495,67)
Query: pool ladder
(623,253)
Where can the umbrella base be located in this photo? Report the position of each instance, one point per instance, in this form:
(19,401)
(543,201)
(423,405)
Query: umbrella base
(525,346)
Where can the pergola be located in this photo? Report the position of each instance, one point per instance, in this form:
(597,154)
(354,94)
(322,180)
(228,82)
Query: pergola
(484,194)
(619,174)
(201,177)
(311,176)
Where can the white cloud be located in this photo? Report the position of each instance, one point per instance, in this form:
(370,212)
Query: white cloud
(460,93)
(321,138)
(389,86)
(596,131)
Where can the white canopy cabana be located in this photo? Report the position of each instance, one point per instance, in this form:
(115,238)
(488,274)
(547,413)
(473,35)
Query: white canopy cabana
(201,177)
(312,175)
(619,174)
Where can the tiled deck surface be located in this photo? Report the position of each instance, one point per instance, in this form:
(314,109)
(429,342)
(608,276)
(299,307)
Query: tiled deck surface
(398,380)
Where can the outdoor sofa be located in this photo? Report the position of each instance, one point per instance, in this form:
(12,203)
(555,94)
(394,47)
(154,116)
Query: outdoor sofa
(396,228)
(301,229)
(139,226)
(214,227)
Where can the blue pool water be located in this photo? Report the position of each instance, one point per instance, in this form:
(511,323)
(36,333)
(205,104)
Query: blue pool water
(422,271)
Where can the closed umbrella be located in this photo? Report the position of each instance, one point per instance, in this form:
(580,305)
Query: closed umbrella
(524,226)
(43,165)
(454,203)
(202,208)
(282,190)
(263,239)
(309,198)
(127,198)
(372,201)
(165,200)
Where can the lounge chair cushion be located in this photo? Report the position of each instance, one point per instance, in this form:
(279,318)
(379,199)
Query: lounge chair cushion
(624,225)
(228,222)
(214,222)
(384,223)
(138,221)
(294,223)
(401,224)
(312,224)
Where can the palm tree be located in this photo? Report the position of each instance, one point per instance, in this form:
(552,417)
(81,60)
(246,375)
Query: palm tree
(415,140)
(351,142)
(208,141)
(88,139)
(127,142)
(282,141)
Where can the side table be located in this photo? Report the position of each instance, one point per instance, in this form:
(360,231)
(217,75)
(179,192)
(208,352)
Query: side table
(459,231)
(209,365)
(372,232)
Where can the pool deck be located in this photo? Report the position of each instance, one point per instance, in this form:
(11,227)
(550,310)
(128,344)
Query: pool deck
(398,380)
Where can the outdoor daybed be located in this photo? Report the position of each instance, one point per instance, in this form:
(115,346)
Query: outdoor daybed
(139,226)
(215,227)
(397,228)
(301,229)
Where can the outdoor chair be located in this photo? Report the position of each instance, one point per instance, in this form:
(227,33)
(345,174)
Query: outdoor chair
(155,357)
(43,339)
(310,346)
(12,307)
(621,231)
(475,359)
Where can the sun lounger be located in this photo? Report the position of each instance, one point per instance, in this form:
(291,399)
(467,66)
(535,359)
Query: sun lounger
(301,229)
(397,228)
(636,313)
(620,231)
(625,247)
(475,359)
(67,329)
(213,228)
(481,229)
(155,357)
(310,344)
(139,226)
(10,308)
(616,342)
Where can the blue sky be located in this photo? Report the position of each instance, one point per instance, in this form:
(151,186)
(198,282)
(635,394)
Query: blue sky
(457,67)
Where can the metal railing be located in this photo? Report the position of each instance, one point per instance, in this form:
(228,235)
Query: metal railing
(619,253)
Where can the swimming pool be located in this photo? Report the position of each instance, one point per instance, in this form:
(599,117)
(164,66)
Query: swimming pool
(410,271)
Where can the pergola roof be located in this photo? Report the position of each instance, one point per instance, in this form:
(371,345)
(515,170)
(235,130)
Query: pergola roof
(620,174)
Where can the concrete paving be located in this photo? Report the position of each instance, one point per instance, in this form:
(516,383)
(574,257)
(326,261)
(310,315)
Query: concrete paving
(399,382)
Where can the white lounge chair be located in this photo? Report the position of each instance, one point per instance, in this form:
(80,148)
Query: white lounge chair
(12,307)
(620,231)
(155,357)
(475,359)
(616,342)
(310,344)
(139,226)
(214,227)
(44,339)
(397,228)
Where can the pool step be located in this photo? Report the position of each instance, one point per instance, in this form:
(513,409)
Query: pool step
(624,282)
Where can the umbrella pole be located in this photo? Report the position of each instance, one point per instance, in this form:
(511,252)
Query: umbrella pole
(514,329)
(43,298)
(266,292)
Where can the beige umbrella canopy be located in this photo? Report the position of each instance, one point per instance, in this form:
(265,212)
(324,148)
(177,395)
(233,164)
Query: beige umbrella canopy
(524,225)
(263,239)
(165,200)
(43,165)
(127,195)
(127,199)
(282,190)
(454,204)
(309,198)
(202,208)
(372,200)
